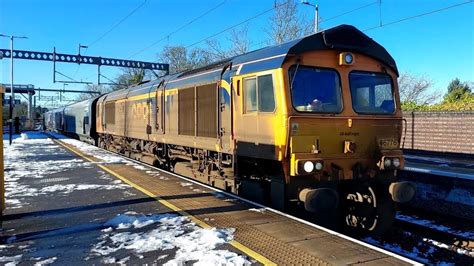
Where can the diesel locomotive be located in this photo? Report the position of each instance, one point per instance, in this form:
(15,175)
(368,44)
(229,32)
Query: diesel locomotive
(315,122)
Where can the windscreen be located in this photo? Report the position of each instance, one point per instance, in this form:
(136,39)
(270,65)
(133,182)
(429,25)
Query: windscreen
(315,90)
(372,93)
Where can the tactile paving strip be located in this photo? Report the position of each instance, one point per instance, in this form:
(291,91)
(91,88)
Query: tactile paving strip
(272,248)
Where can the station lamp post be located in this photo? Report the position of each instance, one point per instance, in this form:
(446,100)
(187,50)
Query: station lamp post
(12,94)
(316,18)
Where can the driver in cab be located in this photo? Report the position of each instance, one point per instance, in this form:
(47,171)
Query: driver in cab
(315,105)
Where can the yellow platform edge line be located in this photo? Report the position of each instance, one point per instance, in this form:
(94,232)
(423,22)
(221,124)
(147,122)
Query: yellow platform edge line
(259,257)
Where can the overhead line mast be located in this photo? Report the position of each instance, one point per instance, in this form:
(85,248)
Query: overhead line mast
(12,97)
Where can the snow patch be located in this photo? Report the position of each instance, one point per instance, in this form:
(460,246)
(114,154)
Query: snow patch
(139,167)
(46,261)
(162,257)
(448,247)
(13,260)
(154,173)
(261,210)
(24,136)
(19,167)
(126,221)
(69,188)
(168,232)
(107,230)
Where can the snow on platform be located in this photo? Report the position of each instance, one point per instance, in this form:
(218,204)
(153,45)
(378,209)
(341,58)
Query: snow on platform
(62,209)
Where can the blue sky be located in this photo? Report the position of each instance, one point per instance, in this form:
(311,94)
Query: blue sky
(438,45)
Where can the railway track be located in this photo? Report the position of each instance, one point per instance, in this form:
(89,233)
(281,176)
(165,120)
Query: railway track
(433,232)
(417,233)
(451,224)
(455,240)
(429,241)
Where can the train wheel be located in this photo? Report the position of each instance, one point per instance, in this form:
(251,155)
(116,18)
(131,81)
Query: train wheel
(365,212)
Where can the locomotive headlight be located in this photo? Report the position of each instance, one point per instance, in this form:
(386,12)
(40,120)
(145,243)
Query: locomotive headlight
(318,166)
(396,162)
(387,162)
(308,166)
(348,58)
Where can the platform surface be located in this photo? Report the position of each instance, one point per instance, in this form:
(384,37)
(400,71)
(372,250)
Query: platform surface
(71,203)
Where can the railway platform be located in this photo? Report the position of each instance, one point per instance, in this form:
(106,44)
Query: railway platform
(436,164)
(71,203)
(444,182)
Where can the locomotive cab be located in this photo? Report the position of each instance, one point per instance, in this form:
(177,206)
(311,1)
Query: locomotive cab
(345,127)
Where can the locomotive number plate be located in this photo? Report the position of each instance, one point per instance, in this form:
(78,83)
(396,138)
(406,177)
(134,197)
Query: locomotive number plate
(388,143)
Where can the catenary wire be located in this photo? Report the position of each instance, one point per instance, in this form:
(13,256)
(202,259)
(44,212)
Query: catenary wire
(236,25)
(178,29)
(419,15)
(348,12)
(110,30)
(118,23)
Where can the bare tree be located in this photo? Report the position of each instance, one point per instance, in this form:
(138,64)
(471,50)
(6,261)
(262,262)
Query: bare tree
(239,44)
(415,89)
(130,76)
(239,38)
(98,88)
(199,57)
(286,24)
(215,50)
(20,110)
(180,59)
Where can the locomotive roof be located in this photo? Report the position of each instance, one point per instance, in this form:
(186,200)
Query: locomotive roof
(343,37)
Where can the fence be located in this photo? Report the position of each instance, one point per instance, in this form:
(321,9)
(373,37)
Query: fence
(440,131)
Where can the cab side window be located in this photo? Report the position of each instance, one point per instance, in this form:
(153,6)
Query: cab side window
(259,94)
(266,97)
(250,95)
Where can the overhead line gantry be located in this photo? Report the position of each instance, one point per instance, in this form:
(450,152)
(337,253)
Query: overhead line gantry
(82,59)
